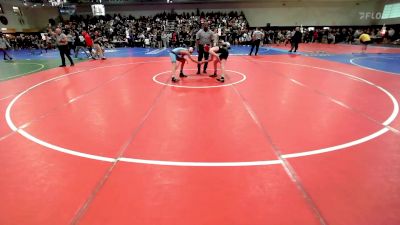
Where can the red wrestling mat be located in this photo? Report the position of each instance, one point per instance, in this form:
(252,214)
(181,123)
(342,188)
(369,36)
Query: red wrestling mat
(285,140)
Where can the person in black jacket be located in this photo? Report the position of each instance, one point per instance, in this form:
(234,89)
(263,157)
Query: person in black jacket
(296,39)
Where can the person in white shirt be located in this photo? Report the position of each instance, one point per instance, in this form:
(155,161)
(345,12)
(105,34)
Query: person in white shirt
(256,37)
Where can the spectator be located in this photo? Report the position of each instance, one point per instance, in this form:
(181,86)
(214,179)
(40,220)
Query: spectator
(3,47)
(391,34)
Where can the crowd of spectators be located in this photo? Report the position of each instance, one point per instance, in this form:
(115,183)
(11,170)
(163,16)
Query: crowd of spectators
(345,35)
(172,29)
(159,31)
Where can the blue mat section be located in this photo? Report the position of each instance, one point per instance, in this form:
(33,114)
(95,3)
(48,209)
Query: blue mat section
(150,52)
(133,52)
(381,62)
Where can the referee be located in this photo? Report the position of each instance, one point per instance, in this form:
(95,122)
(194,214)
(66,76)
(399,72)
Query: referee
(62,44)
(296,39)
(256,40)
(204,37)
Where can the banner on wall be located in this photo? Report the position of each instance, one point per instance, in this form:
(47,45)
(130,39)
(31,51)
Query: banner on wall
(67,10)
(98,10)
(57,2)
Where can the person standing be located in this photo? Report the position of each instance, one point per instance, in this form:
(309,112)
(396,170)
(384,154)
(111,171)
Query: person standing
(365,40)
(215,37)
(70,39)
(62,44)
(80,44)
(204,38)
(88,42)
(164,38)
(159,40)
(296,39)
(3,46)
(256,38)
(391,34)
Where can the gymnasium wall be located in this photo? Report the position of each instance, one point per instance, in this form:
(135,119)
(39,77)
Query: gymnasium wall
(291,13)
